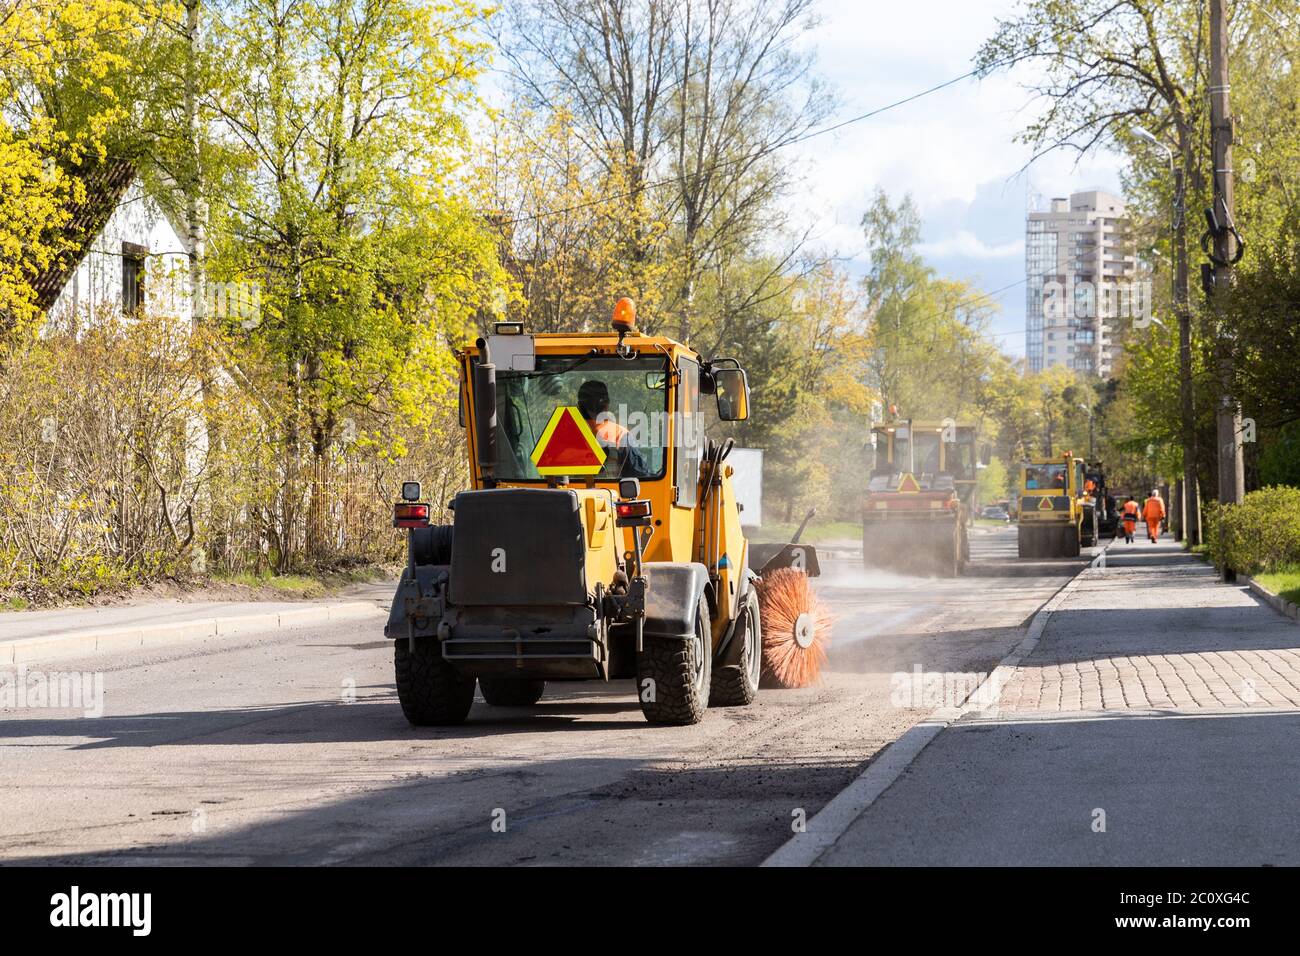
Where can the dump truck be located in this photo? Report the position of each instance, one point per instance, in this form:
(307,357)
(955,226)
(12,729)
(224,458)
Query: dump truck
(917,507)
(1057,516)
(599,538)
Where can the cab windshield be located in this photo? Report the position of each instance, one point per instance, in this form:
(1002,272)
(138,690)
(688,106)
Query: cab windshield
(1038,477)
(927,452)
(623,401)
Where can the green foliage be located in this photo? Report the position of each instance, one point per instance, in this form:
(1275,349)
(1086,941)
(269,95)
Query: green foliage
(994,483)
(1279,459)
(1262,534)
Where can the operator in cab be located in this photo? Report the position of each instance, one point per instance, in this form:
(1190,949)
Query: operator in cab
(623,459)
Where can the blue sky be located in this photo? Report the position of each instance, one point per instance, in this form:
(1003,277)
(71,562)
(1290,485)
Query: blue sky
(953,150)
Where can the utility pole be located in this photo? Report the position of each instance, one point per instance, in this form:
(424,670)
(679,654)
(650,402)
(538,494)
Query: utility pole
(1189,499)
(1232,473)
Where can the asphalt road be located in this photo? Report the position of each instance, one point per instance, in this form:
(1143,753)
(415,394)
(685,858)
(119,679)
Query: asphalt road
(290,748)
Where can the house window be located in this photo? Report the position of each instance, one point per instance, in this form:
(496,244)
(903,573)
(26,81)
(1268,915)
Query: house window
(133,276)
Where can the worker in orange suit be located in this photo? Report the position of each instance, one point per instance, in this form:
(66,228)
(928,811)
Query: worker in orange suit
(1130,515)
(624,459)
(1154,513)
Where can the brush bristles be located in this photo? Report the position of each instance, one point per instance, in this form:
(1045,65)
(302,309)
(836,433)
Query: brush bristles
(783,596)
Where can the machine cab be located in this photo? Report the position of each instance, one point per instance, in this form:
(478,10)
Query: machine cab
(594,410)
(941,456)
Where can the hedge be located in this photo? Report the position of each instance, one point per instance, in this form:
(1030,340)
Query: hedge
(1259,535)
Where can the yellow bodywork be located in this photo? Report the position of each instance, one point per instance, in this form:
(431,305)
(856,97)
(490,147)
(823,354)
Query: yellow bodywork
(683,530)
(1033,508)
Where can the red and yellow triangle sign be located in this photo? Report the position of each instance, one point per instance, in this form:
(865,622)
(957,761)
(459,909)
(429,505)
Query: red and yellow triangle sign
(1045,503)
(567,445)
(909,485)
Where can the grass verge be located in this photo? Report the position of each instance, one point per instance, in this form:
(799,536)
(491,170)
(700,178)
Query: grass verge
(1284,582)
(816,533)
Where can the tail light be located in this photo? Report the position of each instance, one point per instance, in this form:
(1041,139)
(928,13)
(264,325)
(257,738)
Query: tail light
(634,512)
(408,514)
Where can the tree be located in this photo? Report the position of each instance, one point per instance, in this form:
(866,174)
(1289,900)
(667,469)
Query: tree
(59,61)
(352,120)
(680,106)
(927,352)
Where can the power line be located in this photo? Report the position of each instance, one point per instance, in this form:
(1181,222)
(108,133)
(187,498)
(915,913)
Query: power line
(656,184)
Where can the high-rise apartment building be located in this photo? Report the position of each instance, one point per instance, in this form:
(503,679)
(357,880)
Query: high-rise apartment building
(1081,268)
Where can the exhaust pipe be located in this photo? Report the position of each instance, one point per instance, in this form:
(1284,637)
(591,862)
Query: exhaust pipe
(485,414)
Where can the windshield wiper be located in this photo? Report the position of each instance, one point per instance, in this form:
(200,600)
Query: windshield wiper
(580,360)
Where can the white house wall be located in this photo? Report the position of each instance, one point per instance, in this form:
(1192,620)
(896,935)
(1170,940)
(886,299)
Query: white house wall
(97,282)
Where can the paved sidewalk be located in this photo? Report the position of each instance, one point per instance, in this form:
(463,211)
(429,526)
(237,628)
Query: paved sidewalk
(38,635)
(1158,702)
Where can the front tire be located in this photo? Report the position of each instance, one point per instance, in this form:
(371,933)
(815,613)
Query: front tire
(511,692)
(737,684)
(1026,542)
(431,692)
(1088,530)
(673,676)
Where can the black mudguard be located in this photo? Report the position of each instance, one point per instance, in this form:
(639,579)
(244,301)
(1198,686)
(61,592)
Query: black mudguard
(672,596)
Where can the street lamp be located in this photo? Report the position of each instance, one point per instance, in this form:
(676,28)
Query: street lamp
(1151,138)
(1092,454)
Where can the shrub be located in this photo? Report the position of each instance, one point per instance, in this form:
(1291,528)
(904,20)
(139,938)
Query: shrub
(1260,534)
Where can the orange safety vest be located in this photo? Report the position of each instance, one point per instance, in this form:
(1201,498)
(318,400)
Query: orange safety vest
(1153,510)
(1130,511)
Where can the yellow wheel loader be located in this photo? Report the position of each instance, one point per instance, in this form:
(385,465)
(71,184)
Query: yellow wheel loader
(1057,514)
(600,538)
(917,507)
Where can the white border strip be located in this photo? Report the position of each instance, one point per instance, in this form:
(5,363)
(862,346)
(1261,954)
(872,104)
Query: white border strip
(830,823)
(106,640)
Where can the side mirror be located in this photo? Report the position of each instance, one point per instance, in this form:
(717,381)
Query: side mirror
(732,388)
(986,454)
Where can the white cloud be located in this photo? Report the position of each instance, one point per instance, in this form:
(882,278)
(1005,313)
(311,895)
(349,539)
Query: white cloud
(967,245)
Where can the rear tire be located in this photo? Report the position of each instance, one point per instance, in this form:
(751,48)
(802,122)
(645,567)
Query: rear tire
(510,691)
(737,684)
(1070,541)
(431,692)
(673,676)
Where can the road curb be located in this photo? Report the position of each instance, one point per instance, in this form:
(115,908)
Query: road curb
(830,823)
(86,641)
(1275,601)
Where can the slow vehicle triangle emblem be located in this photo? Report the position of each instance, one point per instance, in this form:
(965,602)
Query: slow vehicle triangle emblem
(909,485)
(567,445)
(1045,504)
